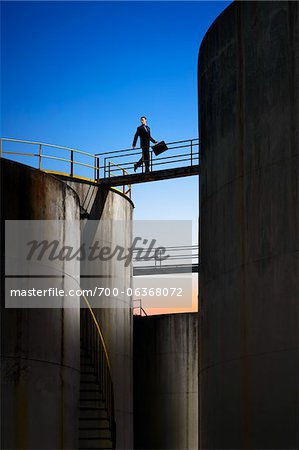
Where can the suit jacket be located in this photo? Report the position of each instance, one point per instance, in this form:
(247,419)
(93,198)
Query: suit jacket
(145,136)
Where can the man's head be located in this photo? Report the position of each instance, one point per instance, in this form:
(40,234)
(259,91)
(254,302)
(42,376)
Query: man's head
(143,120)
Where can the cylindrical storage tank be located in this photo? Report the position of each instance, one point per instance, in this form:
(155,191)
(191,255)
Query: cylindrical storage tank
(166,381)
(249,268)
(108,221)
(40,359)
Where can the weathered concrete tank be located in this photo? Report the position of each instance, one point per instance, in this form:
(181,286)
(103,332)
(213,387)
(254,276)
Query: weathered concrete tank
(249,280)
(109,221)
(40,348)
(166,381)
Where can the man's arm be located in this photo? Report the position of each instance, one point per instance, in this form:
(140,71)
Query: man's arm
(152,139)
(135,138)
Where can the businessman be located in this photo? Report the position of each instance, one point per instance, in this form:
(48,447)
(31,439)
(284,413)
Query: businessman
(144,133)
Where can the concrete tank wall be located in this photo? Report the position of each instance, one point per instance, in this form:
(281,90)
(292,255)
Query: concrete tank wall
(166,381)
(112,214)
(40,361)
(249,278)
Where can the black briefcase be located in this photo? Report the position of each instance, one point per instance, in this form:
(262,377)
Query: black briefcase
(159,148)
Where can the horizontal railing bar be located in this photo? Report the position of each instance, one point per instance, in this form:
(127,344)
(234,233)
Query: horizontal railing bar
(185,140)
(167,143)
(165,266)
(156,161)
(195,155)
(68,160)
(169,251)
(182,146)
(171,162)
(172,157)
(20,153)
(120,167)
(158,158)
(119,151)
(164,261)
(165,162)
(176,247)
(160,163)
(48,145)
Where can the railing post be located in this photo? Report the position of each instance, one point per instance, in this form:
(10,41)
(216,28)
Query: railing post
(105,168)
(98,168)
(109,169)
(72,163)
(0,148)
(191,152)
(39,156)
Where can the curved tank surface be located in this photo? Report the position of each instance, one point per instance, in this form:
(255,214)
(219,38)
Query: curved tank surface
(249,282)
(40,359)
(108,219)
(166,386)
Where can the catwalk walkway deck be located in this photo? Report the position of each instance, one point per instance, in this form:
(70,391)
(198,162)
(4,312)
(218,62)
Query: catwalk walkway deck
(156,175)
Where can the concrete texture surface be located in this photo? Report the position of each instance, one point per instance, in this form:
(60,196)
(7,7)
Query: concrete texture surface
(166,381)
(110,221)
(40,359)
(249,281)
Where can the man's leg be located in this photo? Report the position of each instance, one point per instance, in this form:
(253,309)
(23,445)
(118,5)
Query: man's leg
(145,155)
(138,163)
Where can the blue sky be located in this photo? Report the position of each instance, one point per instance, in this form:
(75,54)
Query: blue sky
(80,74)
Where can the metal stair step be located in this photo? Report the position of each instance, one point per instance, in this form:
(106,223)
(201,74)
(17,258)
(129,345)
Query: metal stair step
(92,403)
(94,422)
(87,377)
(89,386)
(87,368)
(93,413)
(86,363)
(96,433)
(91,395)
(95,443)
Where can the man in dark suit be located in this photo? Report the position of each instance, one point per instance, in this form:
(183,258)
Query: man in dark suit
(144,133)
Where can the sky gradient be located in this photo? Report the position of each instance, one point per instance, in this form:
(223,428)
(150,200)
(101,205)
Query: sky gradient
(80,74)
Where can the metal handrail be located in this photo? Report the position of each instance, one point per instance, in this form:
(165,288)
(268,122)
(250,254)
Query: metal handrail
(95,166)
(126,192)
(139,307)
(99,331)
(175,253)
(44,144)
(139,148)
(94,343)
(191,155)
(195,156)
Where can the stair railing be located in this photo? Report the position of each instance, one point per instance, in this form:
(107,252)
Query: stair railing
(94,343)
